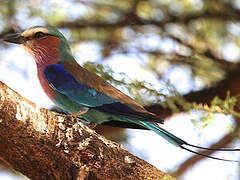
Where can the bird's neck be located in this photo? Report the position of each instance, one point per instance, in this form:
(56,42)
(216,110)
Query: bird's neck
(49,50)
(42,62)
(53,57)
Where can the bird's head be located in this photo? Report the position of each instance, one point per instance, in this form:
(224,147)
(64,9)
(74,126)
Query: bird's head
(46,44)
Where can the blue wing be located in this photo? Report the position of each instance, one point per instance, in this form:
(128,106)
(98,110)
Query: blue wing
(65,83)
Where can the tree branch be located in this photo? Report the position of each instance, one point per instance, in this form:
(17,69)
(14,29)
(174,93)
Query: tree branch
(137,21)
(45,145)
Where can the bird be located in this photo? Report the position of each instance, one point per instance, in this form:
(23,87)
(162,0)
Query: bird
(84,94)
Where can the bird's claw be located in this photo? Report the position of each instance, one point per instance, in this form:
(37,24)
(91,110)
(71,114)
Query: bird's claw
(92,125)
(79,113)
(76,114)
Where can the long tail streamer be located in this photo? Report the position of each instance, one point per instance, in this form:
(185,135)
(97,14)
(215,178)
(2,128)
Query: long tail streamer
(182,144)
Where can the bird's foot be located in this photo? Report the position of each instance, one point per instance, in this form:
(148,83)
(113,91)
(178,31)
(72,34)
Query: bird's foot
(92,125)
(76,114)
(79,113)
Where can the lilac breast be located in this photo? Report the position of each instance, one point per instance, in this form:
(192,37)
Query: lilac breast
(45,85)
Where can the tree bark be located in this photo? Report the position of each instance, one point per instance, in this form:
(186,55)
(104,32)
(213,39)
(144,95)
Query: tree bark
(46,145)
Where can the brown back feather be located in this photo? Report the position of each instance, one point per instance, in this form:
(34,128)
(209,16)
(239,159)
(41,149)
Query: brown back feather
(91,79)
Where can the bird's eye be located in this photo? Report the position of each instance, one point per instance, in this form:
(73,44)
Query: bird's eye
(38,35)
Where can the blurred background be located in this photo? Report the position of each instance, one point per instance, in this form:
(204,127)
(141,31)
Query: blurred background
(179,58)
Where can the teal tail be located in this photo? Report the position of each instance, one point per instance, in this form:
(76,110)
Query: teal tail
(181,143)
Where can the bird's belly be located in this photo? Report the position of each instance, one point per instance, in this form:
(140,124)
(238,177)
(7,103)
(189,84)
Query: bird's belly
(67,104)
(92,115)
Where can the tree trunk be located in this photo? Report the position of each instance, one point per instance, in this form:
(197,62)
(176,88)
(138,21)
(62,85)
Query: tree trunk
(45,145)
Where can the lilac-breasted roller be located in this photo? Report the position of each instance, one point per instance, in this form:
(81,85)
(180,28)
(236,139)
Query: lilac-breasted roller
(82,93)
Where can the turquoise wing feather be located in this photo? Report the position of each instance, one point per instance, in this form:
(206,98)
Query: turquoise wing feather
(65,83)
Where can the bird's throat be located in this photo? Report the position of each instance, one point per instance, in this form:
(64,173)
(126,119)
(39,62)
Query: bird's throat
(44,51)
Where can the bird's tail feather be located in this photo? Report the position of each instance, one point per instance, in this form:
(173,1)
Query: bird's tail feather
(181,143)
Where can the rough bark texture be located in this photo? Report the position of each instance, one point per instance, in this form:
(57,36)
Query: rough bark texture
(45,145)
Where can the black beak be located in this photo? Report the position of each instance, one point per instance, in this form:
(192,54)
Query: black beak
(14,38)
